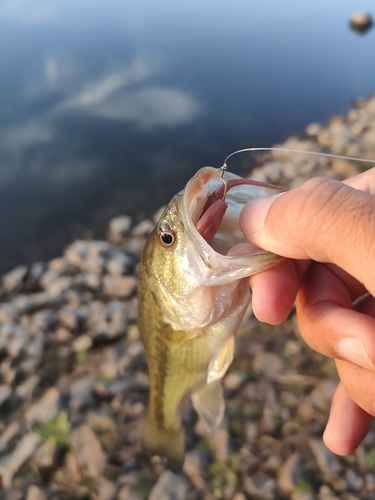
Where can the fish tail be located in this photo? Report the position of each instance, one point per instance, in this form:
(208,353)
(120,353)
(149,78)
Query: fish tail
(169,444)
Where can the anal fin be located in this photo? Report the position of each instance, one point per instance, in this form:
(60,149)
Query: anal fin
(208,402)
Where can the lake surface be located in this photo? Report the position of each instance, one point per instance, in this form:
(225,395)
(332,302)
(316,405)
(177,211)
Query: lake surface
(109,107)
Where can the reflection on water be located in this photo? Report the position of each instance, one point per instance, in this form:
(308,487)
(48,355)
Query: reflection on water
(110,108)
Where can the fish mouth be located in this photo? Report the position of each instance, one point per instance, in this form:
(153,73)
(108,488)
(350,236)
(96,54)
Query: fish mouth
(224,254)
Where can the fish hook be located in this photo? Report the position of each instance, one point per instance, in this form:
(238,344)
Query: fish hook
(223,169)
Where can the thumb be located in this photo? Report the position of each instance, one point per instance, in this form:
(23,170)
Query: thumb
(324,220)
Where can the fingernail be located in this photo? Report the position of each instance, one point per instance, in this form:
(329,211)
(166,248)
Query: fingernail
(254,214)
(352,349)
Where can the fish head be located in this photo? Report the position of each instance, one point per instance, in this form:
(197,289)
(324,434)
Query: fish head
(193,281)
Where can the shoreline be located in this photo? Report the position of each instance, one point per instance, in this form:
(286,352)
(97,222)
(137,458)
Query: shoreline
(73,378)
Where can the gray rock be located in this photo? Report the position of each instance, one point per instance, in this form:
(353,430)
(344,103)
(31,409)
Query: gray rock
(47,408)
(232,381)
(260,486)
(119,227)
(76,253)
(80,392)
(144,228)
(5,393)
(88,451)
(288,474)
(44,320)
(35,493)
(119,263)
(13,280)
(361,21)
(119,286)
(9,433)
(8,313)
(12,494)
(105,490)
(98,249)
(354,481)
(95,265)
(127,493)
(82,343)
(328,463)
(10,464)
(313,129)
(58,266)
(169,487)
(27,389)
(268,363)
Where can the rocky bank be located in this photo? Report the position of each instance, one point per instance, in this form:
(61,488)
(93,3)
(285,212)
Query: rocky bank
(73,378)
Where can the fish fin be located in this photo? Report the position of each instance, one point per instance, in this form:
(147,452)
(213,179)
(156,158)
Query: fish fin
(221,362)
(165,443)
(208,402)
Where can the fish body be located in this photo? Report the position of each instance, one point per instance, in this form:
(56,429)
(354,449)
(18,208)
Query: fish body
(192,297)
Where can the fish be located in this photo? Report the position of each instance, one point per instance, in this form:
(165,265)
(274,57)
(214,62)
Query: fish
(192,296)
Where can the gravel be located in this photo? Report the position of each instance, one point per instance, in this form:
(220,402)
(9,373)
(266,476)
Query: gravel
(73,377)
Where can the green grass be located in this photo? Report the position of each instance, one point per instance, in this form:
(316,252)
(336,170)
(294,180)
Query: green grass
(56,431)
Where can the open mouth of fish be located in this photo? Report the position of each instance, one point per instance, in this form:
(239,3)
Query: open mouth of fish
(211,207)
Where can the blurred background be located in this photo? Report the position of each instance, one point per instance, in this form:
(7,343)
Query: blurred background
(109,107)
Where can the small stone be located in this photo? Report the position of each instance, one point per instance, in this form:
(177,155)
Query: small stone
(81,392)
(76,253)
(5,393)
(9,433)
(313,129)
(119,227)
(322,395)
(63,334)
(98,249)
(26,389)
(35,493)
(88,451)
(327,462)
(361,21)
(127,493)
(144,228)
(268,363)
(260,486)
(95,265)
(35,273)
(119,286)
(354,481)
(10,464)
(8,313)
(105,490)
(82,343)
(288,474)
(119,264)
(232,381)
(13,280)
(44,320)
(58,266)
(169,487)
(47,408)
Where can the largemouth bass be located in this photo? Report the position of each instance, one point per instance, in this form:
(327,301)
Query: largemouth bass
(192,297)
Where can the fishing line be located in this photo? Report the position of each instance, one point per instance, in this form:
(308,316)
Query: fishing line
(316,153)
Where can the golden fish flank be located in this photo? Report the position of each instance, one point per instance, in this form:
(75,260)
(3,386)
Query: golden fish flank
(192,298)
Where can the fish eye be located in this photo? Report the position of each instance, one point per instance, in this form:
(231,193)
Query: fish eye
(166,234)
(167,239)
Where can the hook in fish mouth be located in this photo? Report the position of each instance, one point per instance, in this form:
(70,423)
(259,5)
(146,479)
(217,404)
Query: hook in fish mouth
(213,204)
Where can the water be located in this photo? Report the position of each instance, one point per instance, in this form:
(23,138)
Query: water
(109,107)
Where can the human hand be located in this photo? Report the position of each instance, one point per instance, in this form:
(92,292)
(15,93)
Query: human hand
(326,229)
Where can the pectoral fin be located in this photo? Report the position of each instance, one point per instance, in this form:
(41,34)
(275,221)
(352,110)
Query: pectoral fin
(208,402)
(221,362)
